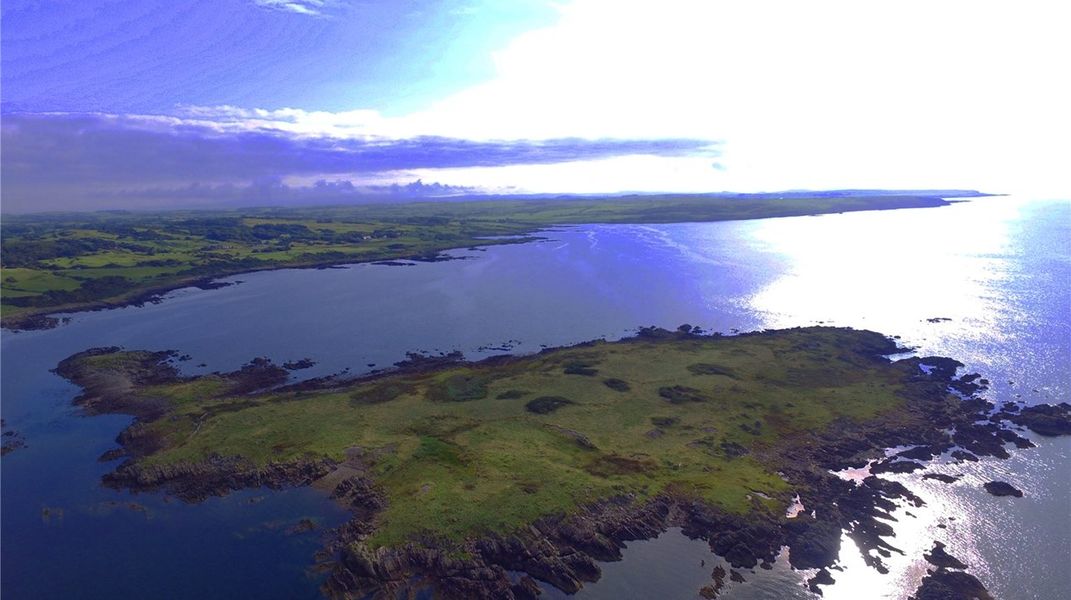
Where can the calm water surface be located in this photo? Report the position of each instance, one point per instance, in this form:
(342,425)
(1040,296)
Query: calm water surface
(1000,269)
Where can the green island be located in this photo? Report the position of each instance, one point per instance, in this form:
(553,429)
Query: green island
(459,473)
(68,262)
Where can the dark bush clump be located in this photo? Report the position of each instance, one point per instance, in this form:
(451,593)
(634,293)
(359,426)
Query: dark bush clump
(679,394)
(711,369)
(580,368)
(547,404)
(460,388)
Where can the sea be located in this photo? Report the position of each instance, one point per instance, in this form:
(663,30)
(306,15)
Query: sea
(986,281)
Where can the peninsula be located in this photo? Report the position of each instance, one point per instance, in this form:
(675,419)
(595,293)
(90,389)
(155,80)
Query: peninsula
(462,475)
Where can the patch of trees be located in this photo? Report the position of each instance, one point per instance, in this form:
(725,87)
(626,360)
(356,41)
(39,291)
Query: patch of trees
(91,290)
(22,252)
(427,221)
(26,253)
(145,234)
(234,230)
(271,231)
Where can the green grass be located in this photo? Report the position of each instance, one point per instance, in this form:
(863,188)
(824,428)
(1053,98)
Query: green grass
(23,281)
(460,453)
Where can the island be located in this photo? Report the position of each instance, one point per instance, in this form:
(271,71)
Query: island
(490,479)
(70,262)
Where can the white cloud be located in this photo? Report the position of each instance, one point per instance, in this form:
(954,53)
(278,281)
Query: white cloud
(836,93)
(805,94)
(303,7)
(357,124)
(638,173)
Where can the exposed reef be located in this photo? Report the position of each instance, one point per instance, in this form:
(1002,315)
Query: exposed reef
(12,440)
(1002,488)
(297,365)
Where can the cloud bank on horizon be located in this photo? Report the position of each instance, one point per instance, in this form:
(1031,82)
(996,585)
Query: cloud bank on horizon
(200,160)
(259,101)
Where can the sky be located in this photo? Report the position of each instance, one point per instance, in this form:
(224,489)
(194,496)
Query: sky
(154,104)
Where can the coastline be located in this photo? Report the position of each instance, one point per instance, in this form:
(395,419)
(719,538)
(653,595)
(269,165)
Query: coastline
(36,318)
(46,317)
(564,550)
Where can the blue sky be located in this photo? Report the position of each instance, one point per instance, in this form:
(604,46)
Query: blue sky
(146,104)
(150,56)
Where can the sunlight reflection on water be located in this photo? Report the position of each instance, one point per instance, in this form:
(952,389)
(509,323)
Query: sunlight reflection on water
(984,281)
(897,273)
(863,269)
(998,268)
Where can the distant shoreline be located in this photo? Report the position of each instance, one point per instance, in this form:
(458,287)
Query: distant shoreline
(355,234)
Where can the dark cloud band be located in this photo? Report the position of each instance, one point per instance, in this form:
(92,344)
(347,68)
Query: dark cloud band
(89,155)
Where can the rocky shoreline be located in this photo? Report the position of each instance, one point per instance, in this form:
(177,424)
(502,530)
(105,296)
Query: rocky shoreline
(46,319)
(564,550)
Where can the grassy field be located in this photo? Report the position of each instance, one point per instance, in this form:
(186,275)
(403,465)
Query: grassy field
(464,449)
(66,262)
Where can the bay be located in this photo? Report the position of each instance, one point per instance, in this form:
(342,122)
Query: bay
(985,281)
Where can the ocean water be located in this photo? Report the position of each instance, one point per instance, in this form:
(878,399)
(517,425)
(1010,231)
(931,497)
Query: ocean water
(999,269)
